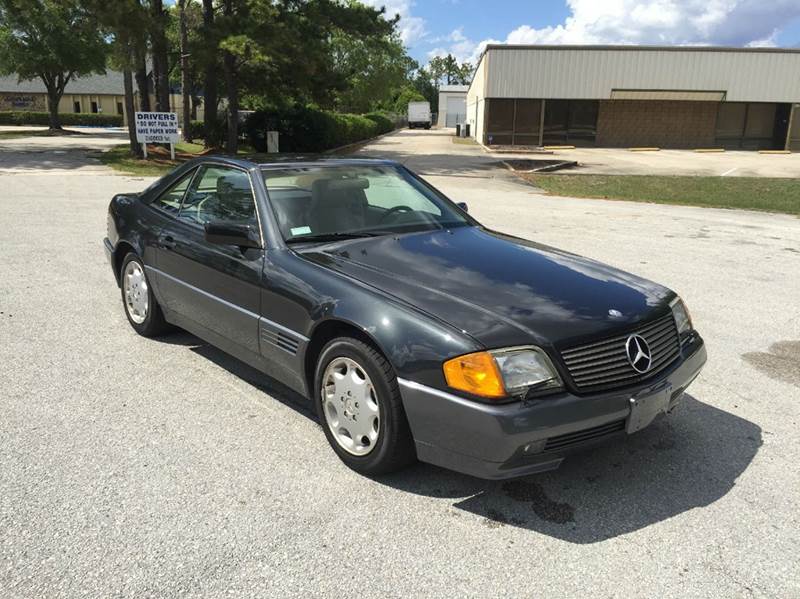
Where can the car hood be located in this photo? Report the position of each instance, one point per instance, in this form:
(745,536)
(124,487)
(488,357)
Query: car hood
(499,289)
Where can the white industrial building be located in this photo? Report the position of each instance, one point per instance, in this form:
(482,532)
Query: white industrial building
(452,105)
(617,96)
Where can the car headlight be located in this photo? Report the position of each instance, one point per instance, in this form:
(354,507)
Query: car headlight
(682,318)
(499,373)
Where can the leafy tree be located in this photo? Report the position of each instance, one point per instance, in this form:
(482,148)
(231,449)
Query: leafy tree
(406,95)
(464,77)
(193,53)
(239,47)
(370,69)
(441,70)
(52,40)
(445,69)
(345,45)
(124,24)
(282,52)
(422,81)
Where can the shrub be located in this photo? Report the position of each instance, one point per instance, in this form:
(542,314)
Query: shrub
(384,123)
(310,129)
(22,117)
(199,130)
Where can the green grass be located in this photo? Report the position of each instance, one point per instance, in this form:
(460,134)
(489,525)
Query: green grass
(747,193)
(466,141)
(119,158)
(189,147)
(156,165)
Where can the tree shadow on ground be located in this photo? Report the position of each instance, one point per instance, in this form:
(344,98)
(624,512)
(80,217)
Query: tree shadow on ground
(37,160)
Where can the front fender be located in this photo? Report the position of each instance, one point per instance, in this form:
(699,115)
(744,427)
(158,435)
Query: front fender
(303,296)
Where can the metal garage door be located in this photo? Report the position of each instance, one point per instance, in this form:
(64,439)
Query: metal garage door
(456,111)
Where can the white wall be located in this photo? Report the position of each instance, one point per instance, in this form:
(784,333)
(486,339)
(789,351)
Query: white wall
(476,99)
(446,99)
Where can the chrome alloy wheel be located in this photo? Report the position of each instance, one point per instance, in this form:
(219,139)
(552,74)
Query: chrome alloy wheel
(351,406)
(135,289)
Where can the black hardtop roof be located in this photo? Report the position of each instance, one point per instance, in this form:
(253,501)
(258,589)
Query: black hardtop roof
(291,160)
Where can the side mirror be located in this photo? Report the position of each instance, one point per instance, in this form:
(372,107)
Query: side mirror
(463,206)
(243,236)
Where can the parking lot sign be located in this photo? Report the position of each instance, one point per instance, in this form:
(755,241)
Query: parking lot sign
(157,127)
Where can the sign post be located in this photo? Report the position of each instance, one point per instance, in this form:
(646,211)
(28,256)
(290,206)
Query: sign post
(157,128)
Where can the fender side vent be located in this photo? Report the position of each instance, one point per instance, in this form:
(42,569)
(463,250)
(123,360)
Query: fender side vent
(280,340)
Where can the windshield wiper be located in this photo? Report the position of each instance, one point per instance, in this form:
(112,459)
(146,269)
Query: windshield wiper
(323,237)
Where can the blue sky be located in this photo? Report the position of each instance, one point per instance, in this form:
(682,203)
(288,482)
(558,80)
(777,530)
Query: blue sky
(462,27)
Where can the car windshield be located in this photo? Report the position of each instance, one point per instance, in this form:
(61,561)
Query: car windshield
(327,202)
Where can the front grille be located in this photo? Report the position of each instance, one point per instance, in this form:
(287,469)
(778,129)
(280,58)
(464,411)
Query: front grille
(562,442)
(603,365)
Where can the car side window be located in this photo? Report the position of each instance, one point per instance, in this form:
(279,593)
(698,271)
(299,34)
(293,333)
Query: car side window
(220,194)
(170,200)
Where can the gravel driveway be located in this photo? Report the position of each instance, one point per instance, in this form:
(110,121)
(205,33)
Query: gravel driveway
(140,468)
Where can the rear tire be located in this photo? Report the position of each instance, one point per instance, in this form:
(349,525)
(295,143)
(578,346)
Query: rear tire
(138,300)
(360,409)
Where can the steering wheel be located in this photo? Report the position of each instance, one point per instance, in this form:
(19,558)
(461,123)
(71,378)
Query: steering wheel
(395,209)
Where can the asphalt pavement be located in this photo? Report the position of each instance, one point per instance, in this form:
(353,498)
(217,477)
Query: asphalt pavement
(163,468)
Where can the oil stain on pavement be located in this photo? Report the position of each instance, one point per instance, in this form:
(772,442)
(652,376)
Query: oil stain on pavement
(782,362)
(544,507)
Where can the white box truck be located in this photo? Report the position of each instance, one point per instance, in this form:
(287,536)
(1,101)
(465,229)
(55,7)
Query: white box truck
(419,115)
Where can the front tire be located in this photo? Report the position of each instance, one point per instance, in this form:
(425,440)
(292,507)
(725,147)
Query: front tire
(359,406)
(140,303)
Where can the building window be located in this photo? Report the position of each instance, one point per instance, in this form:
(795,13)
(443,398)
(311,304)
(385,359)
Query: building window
(752,125)
(571,122)
(513,122)
(499,122)
(94,107)
(119,108)
(76,106)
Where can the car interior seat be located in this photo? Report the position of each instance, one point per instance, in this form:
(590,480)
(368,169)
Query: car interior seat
(338,205)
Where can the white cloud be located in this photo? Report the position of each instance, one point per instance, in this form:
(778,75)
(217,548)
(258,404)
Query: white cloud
(412,29)
(668,22)
(455,43)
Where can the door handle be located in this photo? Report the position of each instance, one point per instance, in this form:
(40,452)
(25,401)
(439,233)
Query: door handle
(167,242)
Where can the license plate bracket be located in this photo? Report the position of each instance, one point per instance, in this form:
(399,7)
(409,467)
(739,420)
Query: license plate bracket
(645,408)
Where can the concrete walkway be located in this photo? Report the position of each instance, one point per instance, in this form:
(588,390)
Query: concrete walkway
(66,154)
(620,161)
(434,152)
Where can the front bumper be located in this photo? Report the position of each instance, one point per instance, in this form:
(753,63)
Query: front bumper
(512,440)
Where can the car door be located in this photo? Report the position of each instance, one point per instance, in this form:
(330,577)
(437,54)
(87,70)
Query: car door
(216,287)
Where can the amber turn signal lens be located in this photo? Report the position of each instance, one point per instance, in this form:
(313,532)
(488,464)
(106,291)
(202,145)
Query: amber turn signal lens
(475,373)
